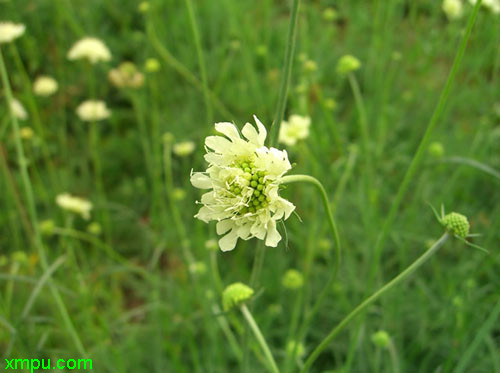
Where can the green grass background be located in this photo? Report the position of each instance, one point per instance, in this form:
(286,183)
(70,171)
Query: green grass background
(162,321)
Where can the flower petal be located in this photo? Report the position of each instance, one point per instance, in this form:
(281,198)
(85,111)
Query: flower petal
(201,180)
(273,236)
(228,129)
(228,242)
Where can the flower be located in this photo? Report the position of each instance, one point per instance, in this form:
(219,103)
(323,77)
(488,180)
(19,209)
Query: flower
(74,204)
(348,64)
(126,75)
(297,128)
(18,109)
(91,49)
(10,31)
(243,177)
(235,294)
(457,224)
(292,279)
(453,9)
(45,86)
(492,5)
(184,148)
(92,110)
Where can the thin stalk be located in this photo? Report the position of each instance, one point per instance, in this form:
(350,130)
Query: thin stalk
(371,299)
(286,74)
(201,60)
(260,338)
(417,158)
(360,107)
(23,164)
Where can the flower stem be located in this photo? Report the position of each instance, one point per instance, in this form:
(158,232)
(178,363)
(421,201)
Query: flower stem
(201,60)
(371,299)
(28,189)
(260,338)
(331,221)
(286,74)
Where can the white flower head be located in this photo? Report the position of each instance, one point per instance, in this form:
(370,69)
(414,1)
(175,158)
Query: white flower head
(92,110)
(293,130)
(45,86)
(18,109)
(492,5)
(74,204)
(10,31)
(91,49)
(243,178)
(453,9)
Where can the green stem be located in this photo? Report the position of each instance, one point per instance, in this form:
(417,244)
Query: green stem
(371,299)
(417,159)
(287,73)
(201,60)
(260,338)
(326,204)
(360,107)
(33,214)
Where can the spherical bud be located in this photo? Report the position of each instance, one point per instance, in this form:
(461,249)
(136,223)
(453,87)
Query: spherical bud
(457,224)
(152,65)
(235,294)
(94,228)
(330,14)
(348,64)
(381,339)
(292,279)
(47,227)
(295,349)
(184,148)
(436,149)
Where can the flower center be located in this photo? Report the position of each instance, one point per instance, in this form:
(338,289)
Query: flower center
(252,187)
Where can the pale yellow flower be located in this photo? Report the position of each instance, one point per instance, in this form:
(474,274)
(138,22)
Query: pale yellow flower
(293,130)
(453,9)
(126,76)
(184,148)
(90,111)
(74,204)
(9,31)
(91,49)
(243,178)
(45,86)
(492,5)
(18,109)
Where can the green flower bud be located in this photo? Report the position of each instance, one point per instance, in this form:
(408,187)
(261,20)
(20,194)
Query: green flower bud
(295,349)
(152,65)
(292,279)
(168,137)
(457,224)
(3,260)
(235,294)
(198,268)
(143,7)
(94,228)
(436,149)
(19,257)
(381,339)
(178,194)
(330,14)
(47,227)
(331,104)
(310,66)
(348,64)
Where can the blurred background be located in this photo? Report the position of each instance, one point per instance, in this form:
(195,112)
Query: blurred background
(141,279)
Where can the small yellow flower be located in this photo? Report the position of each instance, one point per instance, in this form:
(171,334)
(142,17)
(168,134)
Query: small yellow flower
(348,64)
(45,86)
(91,110)
(92,49)
(184,148)
(74,204)
(9,31)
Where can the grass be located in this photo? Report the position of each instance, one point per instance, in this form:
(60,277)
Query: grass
(145,294)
